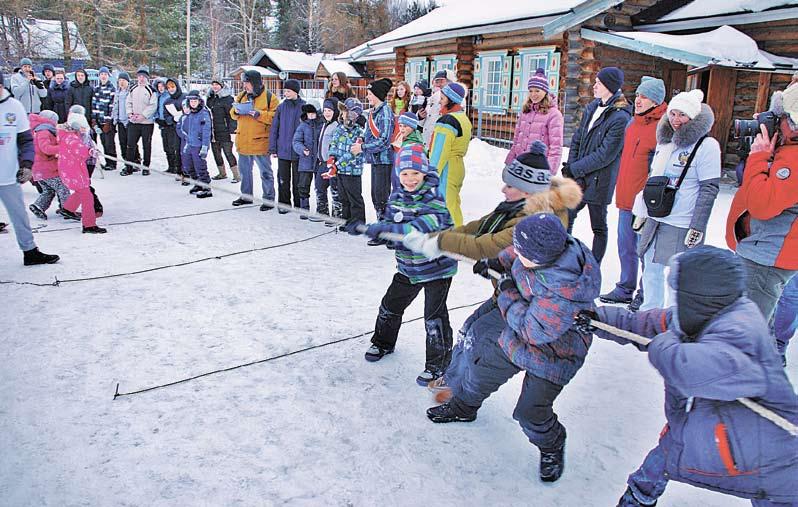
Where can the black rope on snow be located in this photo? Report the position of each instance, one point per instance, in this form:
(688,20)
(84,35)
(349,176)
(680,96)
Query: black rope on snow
(58,283)
(117,394)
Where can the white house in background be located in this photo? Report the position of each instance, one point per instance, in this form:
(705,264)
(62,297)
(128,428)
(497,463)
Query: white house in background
(288,64)
(42,41)
(327,68)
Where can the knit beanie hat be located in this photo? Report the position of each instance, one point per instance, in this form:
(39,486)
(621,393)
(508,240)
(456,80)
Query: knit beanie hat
(413,158)
(309,108)
(652,88)
(217,81)
(76,118)
(409,119)
(530,171)
(123,75)
(193,94)
(25,61)
(441,74)
(331,103)
(540,238)
(49,115)
(143,69)
(611,77)
(423,85)
(49,67)
(380,88)
(104,69)
(539,81)
(455,92)
(354,105)
(790,101)
(687,102)
(293,85)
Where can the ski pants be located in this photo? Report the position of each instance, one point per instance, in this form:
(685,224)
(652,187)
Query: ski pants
(51,187)
(84,199)
(765,284)
(199,165)
(397,298)
(305,180)
(11,196)
(288,182)
(350,190)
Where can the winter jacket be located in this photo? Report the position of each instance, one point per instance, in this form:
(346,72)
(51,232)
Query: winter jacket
(422,210)
(142,100)
(253,134)
(119,107)
(595,154)
(450,140)
(58,96)
(30,94)
(378,134)
(306,137)
(342,140)
(640,141)
(73,152)
(102,105)
(325,138)
(286,121)
(45,163)
(540,310)
(712,441)
(219,105)
(46,101)
(173,99)
(536,126)
(762,225)
(80,94)
(197,127)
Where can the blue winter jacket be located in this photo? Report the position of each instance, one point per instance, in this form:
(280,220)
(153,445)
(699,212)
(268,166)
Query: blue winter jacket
(595,154)
(378,134)
(540,311)
(197,127)
(307,137)
(343,138)
(425,211)
(286,120)
(712,441)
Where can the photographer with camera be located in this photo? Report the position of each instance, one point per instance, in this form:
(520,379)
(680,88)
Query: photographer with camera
(26,88)
(762,226)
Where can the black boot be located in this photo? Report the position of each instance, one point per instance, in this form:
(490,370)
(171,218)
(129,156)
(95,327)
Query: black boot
(204,193)
(195,189)
(241,202)
(69,215)
(447,413)
(145,172)
(34,257)
(304,204)
(552,464)
(629,500)
(37,211)
(94,230)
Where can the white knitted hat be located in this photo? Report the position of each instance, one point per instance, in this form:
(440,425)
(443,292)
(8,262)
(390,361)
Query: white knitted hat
(687,102)
(790,98)
(77,121)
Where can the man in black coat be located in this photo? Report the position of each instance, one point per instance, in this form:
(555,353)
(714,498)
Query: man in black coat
(595,154)
(81,93)
(220,101)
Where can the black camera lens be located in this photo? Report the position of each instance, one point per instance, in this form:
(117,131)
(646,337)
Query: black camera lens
(746,128)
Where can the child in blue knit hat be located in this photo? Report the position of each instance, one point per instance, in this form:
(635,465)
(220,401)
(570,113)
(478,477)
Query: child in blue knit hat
(547,278)
(416,206)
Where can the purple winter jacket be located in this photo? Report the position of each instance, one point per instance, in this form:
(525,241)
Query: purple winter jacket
(536,126)
(719,444)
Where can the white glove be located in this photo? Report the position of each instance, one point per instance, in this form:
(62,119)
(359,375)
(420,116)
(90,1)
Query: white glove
(693,238)
(422,243)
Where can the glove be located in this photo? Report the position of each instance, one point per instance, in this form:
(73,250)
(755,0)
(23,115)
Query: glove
(354,228)
(24,175)
(693,238)
(332,169)
(483,265)
(38,84)
(255,114)
(204,151)
(422,243)
(566,170)
(98,130)
(638,223)
(373,231)
(506,282)
(582,321)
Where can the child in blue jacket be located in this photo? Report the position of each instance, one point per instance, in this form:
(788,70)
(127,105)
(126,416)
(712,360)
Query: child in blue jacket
(197,129)
(306,145)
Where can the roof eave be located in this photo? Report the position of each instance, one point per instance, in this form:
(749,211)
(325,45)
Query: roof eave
(716,21)
(676,55)
(579,15)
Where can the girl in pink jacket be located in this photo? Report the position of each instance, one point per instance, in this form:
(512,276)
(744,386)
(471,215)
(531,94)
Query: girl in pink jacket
(75,148)
(540,120)
(45,163)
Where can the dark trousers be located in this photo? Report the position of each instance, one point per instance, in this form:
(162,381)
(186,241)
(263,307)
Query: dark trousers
(288,181)
(436,318)
(136,131)
(322,201)
(380,186)
(123,133)
(534,410)
(109,146)
(350,190)
(305,179)
(598,222)
(171,146)
(227,147)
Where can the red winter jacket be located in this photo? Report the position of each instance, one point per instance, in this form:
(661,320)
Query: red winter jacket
(762,225)
(640,141)
(45,163)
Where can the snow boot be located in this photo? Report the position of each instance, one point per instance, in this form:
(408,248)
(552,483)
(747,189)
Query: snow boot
(628,500)
(376,242)
(441,391)
(636,303)
(375,353)
(427,376)
(221,176)
(304,204)
(204,193)
(616,296)
(241,202)
(195,189)
(37,211)
(447,413)
(126,172)
(68,215)
(552,464)
(94,230)
(145,172)
(34,257)
(236,174)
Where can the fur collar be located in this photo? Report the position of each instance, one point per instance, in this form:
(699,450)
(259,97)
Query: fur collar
(690,132)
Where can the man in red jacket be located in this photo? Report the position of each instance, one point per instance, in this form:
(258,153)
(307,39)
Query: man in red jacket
(762,226)
(640,141)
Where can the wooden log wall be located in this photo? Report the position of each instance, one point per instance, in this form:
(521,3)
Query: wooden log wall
(378,69)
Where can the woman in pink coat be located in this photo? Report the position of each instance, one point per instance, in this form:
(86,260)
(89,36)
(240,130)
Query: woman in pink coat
(540,120)
(75,147)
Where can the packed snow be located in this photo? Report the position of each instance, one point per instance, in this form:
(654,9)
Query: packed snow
(322,427)
(706,8)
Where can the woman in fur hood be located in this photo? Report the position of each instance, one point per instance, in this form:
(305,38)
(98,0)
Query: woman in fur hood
(681,135)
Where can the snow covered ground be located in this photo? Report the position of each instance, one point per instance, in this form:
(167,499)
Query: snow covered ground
(322,427)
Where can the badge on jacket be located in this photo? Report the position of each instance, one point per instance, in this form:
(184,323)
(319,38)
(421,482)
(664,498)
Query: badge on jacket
(398,217)
(783,173)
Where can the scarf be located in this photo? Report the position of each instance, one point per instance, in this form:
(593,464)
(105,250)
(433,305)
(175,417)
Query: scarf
(500,216)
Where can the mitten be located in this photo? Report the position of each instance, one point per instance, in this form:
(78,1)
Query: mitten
(506,282)
(583,323)
(483,265)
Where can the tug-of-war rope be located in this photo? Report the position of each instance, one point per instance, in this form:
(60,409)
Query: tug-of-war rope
(764,412)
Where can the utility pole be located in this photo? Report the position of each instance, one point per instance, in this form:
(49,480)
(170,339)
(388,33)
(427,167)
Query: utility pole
(188,44)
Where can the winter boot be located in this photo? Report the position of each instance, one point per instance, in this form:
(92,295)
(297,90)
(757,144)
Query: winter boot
(616,296)
(236,175)
(375,353)
(266,207)
(241,202)
(33,257)
(68,215)
(222,174)
(3,226)
(427,376)
(37,211)
(304,204)
(447,413)
(636,303)
(552,464)
(127,171)
(628,500)
(195,189)
(204,193)
(145,172)
(94,230)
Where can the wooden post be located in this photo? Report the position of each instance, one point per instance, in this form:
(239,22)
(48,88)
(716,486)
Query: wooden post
(465,61)
(720,97)
(399,63)
(763,92)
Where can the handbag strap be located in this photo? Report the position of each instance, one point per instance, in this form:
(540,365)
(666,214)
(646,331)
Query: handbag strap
(689,161)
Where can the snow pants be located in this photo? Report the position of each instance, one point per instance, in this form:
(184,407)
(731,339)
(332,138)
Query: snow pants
(305,179)
(11,196)
(451,184)
(322,201)
(109,147)
(84,200)
(171,146)
(198,164)
(350,190)
(485,324)
(398,297)
(51,187)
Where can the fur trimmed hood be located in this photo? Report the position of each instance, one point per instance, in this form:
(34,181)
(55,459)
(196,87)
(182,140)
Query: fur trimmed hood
(564,194)
(690,132)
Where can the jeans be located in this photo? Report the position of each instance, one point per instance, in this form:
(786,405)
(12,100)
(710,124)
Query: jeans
(653,281)
(765,285)
(380,187)
(598,222)
(136,131)
(627,252)
(350,190)
(398,297)
(11,196)
(785,317)
(288,182)
(245,163)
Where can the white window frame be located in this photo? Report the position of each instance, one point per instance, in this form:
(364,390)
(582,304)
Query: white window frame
(491,101)
(416,67)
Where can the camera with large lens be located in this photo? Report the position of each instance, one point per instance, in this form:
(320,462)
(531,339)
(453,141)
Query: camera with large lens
(750,128)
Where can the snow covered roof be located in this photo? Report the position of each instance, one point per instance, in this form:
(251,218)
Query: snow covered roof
(290,61)
(262,70)
(458,19)
(723,46)
(364,53)
(333,66)
(708,13)
(43,36)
